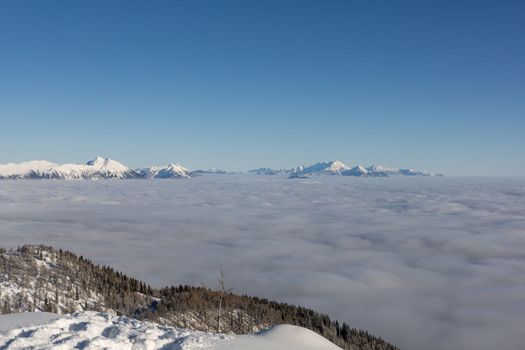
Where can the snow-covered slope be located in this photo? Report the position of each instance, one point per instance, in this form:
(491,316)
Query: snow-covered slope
(99,168)
(358,170)
(25,319)
(92,330)
(282,337)
(170,171)
(35,168)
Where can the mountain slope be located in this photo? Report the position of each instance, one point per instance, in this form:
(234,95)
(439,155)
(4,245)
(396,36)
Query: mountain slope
(39,278)
(358,170)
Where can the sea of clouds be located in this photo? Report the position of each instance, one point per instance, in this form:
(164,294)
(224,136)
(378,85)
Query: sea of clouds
(427,263)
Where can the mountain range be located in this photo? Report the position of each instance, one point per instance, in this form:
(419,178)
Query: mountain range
(105,168)
(336,167)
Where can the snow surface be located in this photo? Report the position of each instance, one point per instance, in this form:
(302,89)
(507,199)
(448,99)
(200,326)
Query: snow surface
(92,330)
(283,337)
(24,320)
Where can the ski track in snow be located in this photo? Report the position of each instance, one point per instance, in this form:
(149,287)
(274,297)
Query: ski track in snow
(91,330)
(433,263)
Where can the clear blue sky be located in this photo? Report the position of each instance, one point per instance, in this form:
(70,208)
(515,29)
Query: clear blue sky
(438,85)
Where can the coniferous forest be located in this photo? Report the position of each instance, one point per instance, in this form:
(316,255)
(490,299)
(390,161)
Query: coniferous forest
(40,278)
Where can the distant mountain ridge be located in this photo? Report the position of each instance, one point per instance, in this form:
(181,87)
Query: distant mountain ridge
(170,171)
(336,167)
(98,168)
(105,168)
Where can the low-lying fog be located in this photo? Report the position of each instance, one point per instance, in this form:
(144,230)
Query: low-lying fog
(427,263)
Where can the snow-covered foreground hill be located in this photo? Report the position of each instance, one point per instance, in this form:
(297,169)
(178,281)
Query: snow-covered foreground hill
(91,330)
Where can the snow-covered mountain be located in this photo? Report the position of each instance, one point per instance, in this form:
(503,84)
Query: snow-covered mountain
(98,168)
(212,171)
(398,171)
(105,168)
(382,169)
(333,167)
(336,167)
(97,330)
(170,171)
(268,171)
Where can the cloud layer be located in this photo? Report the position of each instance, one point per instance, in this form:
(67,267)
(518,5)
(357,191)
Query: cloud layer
(427,263)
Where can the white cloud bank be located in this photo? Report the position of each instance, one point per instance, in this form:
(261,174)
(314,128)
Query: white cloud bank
(427,263)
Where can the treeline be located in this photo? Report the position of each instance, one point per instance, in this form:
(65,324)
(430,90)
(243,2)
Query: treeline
(42,278)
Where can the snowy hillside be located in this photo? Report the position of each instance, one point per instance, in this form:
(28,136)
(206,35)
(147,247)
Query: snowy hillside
(39,278)
(92,330)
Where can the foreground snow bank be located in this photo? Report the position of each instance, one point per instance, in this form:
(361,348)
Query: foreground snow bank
(13,321)
(283,337)
(91,330)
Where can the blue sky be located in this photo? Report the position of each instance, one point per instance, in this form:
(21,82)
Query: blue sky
(438,85)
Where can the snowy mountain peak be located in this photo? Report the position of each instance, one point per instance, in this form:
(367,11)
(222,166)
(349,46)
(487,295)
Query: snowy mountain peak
(337,166)
(358,170)
(170,171)
(98,161)
(333,167)
(106,163)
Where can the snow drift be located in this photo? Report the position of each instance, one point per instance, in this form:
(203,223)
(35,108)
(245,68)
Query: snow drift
(92,330)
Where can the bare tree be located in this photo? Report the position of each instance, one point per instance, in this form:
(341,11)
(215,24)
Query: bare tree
(222,293)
